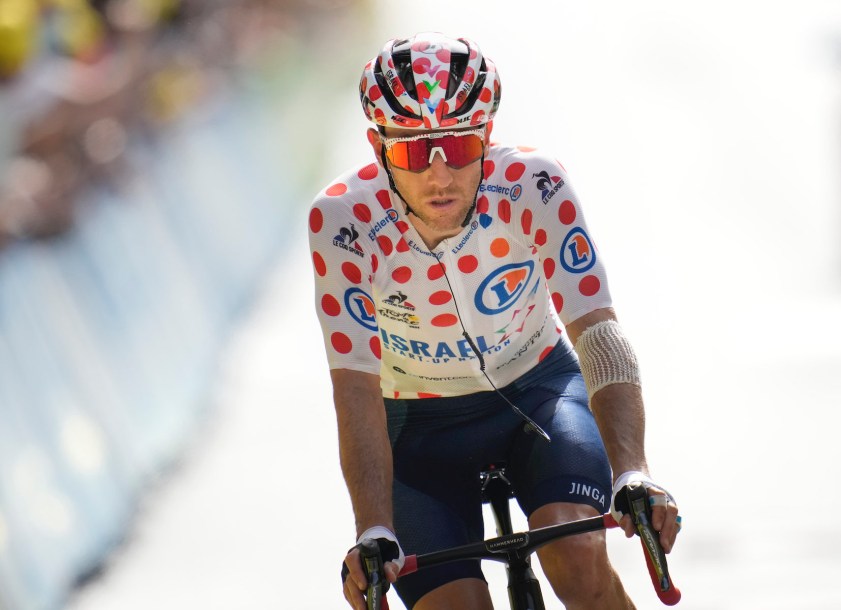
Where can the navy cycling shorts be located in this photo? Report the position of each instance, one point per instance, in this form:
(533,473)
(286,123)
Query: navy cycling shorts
(441,444)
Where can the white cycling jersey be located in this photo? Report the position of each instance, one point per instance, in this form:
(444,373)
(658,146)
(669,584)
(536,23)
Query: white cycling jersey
(384,300)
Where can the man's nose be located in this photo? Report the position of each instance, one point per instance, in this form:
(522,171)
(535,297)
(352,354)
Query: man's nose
(439,172)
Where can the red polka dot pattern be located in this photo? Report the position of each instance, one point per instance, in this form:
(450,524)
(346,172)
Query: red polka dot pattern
(468,264)
(369,172)
(525,222)
(567,213)
(341,343)
(436,271)
(362,212)
(512,227)
(316,220)
(589,285)
(401,275)
(440,298)
(318,264)
(549,267)
(504,210)
(385,244)
(375,346)
(336,190)
(557,301)
(351,272)
(444,320)
(330,305)
(514,171)
(384,198)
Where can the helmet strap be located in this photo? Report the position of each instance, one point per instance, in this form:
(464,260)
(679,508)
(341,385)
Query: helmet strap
(392,184)
(472,209)
(409,210)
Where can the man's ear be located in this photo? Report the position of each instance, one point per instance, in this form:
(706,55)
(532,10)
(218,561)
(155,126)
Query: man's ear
(376,144)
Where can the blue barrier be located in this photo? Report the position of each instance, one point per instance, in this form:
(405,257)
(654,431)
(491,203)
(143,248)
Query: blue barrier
(108,340)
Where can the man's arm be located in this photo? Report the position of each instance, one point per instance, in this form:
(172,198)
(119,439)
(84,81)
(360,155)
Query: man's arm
(364,447)
(620,415)
(618,409)
(365,453)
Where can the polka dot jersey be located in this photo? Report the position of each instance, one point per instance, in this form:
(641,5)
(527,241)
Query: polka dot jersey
(523,265)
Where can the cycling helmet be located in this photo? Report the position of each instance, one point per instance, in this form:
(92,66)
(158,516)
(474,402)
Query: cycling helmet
(430,81)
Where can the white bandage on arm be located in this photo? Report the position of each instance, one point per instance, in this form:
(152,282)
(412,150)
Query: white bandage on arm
(606,357)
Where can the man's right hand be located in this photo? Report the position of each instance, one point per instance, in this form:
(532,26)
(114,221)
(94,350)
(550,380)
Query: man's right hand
(355,581)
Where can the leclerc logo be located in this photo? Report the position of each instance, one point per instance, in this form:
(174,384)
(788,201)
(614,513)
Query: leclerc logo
(361,308)
(577,252)
(501,289)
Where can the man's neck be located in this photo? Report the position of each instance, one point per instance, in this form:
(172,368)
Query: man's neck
(431,237)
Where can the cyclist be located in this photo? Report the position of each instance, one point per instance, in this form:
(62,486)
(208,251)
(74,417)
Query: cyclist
(453,277)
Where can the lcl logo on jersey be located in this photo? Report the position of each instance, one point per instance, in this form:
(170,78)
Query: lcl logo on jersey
(577,252)
(361,308)
(501,289)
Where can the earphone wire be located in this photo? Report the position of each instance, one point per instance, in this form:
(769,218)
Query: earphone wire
(531,425)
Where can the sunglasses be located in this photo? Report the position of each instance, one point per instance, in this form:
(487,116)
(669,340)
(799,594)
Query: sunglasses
(415,153)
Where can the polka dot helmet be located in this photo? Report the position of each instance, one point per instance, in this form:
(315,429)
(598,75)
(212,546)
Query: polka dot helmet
(430,81)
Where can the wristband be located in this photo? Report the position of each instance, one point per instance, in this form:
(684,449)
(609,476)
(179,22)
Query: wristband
(626,478)
(379,532)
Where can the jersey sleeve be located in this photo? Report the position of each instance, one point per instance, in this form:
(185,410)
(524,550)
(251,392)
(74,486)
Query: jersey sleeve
(343,298)
(572,265)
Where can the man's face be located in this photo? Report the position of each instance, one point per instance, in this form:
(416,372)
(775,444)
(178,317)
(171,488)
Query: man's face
(439,196)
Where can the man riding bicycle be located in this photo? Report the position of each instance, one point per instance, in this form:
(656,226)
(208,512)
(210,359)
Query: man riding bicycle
(453,277)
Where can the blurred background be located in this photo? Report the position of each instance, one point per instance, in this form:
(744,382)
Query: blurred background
(167,438)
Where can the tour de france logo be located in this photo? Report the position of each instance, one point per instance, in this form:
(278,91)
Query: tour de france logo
(501,289)
(577,252)
(361,308)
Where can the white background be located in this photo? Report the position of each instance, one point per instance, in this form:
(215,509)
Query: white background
(703,140)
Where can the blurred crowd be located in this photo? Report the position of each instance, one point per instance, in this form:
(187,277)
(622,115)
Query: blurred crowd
(153,154)
(79,79)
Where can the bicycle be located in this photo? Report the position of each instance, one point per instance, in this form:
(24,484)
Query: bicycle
(515,549)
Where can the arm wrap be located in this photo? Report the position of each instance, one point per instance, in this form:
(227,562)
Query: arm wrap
(606,357)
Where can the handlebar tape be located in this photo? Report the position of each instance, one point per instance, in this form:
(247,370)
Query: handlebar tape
(409,566)
(640,511)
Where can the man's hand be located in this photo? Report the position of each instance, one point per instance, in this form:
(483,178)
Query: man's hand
(355,582)
(664,510)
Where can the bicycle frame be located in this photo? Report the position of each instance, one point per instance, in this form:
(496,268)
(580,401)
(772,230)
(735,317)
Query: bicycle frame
(515,549)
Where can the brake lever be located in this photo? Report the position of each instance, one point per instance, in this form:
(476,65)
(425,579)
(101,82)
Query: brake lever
(640,510)
(378,585)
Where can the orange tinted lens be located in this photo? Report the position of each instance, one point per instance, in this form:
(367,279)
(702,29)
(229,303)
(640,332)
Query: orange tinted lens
(416,155)
(398,155)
